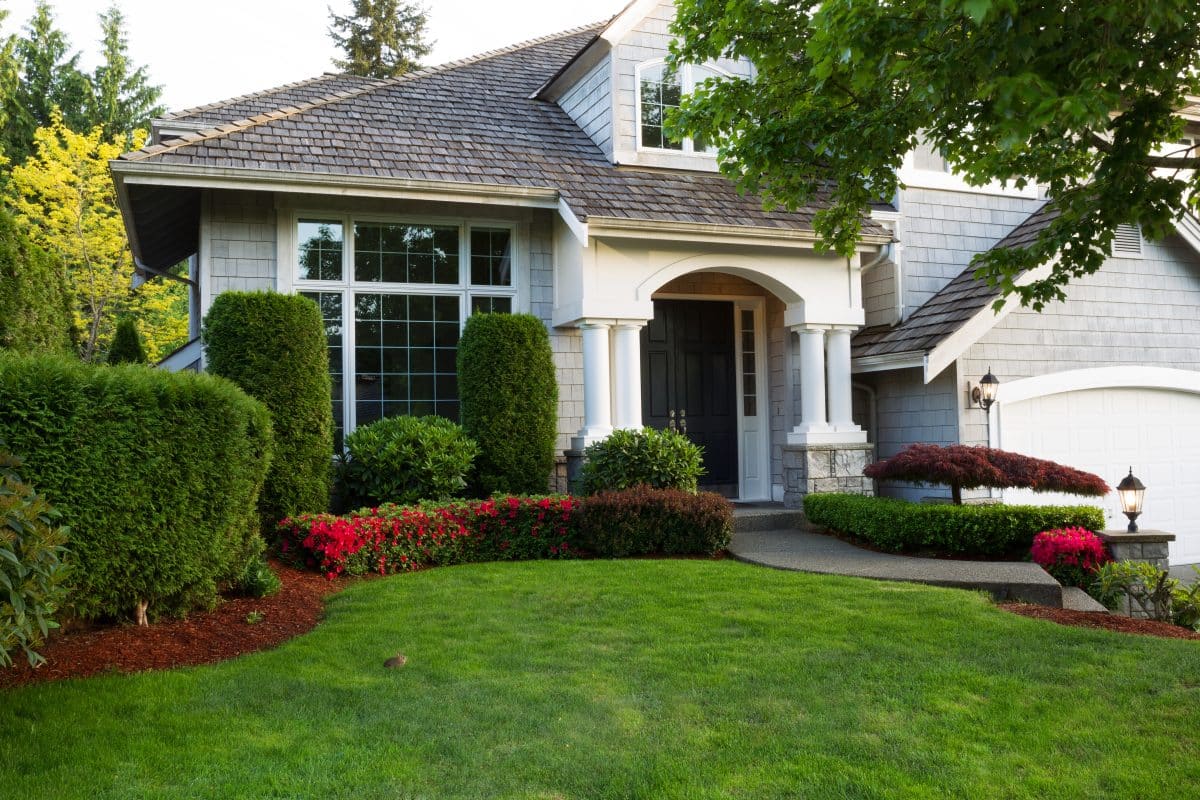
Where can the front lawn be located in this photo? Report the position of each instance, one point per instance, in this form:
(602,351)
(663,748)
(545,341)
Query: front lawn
(650,678)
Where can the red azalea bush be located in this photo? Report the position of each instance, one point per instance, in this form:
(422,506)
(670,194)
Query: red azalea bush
(645,520)
(965,467)
(391,538)
(1070,555)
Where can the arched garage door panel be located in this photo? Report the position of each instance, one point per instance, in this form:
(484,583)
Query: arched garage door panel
(1105,431)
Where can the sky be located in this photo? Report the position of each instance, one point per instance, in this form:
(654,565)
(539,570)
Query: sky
(210,50)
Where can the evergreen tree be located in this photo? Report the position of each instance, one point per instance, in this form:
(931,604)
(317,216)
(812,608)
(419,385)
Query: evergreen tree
(381,38)
(35,301)
(126,347)
(50,78)
(10,76)
(122,98)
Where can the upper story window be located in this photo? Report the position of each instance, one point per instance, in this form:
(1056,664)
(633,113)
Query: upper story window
(658,92)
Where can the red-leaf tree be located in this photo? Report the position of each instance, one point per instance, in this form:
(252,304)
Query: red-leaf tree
(964,467)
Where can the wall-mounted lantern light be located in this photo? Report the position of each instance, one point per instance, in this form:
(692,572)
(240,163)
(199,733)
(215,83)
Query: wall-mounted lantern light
(1132,492)
(984,394)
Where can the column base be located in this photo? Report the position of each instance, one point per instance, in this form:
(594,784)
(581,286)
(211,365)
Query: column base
(587,436)
(826,434)
(812,468)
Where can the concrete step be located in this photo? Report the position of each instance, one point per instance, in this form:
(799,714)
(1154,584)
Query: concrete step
(766,518)
(1077,599)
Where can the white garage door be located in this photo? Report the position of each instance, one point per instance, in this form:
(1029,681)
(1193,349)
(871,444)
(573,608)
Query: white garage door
(1105,431)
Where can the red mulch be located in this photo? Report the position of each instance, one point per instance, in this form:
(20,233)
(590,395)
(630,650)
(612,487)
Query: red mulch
(202,638)
(1096,619)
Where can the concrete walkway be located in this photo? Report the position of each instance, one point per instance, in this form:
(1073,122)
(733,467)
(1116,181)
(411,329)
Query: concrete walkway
(805,551)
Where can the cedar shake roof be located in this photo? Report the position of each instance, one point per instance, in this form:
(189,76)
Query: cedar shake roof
(471,121)
(949,309)
(290,94)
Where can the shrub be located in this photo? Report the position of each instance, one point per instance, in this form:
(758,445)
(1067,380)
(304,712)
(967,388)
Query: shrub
(1070,555)
(405,460)
(273,346)
(509,400)
(36,310)
(643,520)
(394,538)
(257,579)
(963,467)
(985,530)
(661,459)
(126,347)
(156,473)
(31,565)
(1145,586)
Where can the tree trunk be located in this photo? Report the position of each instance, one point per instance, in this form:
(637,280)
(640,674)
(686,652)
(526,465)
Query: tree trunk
(956,494)
(140,612)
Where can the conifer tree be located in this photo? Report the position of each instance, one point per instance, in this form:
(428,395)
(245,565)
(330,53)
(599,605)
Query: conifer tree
(122,97)
(126,347)
(381,38)
(49,78)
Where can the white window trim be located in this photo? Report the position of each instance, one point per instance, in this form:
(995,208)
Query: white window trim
(288,282)
(687,85)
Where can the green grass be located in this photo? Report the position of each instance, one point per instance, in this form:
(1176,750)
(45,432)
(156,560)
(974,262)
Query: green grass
(601,679)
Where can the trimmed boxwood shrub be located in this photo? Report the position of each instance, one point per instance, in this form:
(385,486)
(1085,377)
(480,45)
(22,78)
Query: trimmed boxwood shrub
(156,473)
(406,460)
(508,397)
(662,459)
(643,520)
(31,564)
(983,530)
(273,346)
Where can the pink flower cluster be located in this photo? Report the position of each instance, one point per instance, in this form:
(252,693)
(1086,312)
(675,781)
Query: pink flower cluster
(1071,555)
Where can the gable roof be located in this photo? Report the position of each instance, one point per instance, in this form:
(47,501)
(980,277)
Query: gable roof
(951,307)
(470,122)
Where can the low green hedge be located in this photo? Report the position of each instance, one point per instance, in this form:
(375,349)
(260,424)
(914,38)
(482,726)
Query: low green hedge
(157,475)
(405,460)
(644,520)
(626,458)
(984,530)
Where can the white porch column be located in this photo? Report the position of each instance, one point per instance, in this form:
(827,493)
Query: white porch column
(627,336)
(597,394)
(812,380)
(841,416)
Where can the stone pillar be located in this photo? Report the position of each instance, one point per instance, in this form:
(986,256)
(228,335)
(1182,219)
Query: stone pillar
(627,337)
(824,468)
(597,391)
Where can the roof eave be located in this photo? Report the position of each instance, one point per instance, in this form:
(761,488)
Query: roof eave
(702,231)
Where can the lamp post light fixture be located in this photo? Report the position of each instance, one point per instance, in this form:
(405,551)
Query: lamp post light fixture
(984,394)
(1132,492)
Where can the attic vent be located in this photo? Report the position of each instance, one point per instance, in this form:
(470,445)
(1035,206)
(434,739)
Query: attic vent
(1128,240)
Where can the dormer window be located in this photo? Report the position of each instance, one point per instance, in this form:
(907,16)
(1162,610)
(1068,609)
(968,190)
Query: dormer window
(658,92)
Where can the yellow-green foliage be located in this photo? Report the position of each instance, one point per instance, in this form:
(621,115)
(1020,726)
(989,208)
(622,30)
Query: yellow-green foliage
(63,196)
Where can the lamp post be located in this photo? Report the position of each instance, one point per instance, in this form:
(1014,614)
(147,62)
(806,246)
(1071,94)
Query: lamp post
(1132,492)
(984,394)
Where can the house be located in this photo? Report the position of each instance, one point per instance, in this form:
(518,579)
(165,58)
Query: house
(537,178)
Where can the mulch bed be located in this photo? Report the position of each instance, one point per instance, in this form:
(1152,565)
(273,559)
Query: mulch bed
(1096,619)
(202,638)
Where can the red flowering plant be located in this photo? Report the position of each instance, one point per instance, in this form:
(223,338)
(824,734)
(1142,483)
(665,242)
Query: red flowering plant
(1071,555)
(966,467)
(390,538)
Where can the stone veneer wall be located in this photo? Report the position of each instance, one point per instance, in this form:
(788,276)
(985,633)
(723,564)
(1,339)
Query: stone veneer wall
(811,469)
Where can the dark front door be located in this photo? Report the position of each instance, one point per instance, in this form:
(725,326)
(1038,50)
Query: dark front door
(688,382)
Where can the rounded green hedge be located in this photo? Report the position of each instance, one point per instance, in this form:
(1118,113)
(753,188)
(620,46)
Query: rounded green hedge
(406,460)
(273,346)
(624,459)
(156,474)
(509,401)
